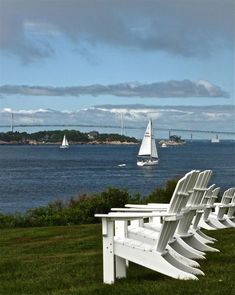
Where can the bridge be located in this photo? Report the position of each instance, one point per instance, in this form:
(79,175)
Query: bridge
(170,130)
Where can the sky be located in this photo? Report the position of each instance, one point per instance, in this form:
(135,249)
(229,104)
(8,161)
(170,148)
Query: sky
(86,60)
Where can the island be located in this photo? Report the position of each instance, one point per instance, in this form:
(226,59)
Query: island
(172,141)
(56,136)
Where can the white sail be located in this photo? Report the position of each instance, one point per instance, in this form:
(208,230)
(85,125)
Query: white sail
(65,142)
(154,153)
(148,145)
(145,148)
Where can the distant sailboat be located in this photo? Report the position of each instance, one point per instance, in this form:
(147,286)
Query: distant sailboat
(65,143)
(215,140)
(148,155)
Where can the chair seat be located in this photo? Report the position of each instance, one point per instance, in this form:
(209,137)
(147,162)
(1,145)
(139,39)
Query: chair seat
(134,244)
(144,232)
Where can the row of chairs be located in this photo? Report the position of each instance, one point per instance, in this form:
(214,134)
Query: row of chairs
(167,238)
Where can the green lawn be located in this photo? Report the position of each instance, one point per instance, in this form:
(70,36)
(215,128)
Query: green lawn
(68,260)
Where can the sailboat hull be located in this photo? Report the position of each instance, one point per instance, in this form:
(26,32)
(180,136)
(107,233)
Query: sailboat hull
(147,163)
(64,146)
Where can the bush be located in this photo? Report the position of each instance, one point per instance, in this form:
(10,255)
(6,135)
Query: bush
(162,195)
(81,209)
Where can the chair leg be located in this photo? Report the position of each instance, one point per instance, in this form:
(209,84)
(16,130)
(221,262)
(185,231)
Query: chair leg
(202,234)
(216,223)
(195,243)
(108,252)
(120,265)
(184,249)
(206,225)
(227,222)
(181,258)
(176,263)
(202,239)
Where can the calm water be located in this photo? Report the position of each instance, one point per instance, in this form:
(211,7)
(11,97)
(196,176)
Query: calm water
(34,175)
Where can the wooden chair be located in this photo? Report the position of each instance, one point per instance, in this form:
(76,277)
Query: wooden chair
(210,205)
(230,218)
(119,244)
(218,219)
(185,242)
(207,204)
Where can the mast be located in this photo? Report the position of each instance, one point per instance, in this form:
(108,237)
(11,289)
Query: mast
(151,132)
(154,153)
(12,127)
(122,125)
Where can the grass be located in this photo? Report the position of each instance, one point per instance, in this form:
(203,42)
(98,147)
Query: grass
(68,260)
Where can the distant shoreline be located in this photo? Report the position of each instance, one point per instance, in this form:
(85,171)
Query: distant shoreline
(71,143)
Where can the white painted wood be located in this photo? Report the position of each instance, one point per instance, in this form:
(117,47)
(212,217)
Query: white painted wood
(168,242)
(219,219)
(120,263)
(108,251)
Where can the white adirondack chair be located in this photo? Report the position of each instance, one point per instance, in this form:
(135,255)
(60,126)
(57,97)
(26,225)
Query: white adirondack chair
(230,218)
(183,234)
(185,242)
(206,206)
(210,205)
(218,218)
(119,245)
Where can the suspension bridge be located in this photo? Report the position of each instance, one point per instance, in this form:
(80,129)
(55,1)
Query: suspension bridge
(191,132)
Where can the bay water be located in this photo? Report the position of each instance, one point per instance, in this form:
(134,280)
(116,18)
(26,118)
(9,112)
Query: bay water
(32,176)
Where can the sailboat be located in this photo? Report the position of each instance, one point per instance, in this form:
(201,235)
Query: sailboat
(215,140)
(148,155)
(65,143)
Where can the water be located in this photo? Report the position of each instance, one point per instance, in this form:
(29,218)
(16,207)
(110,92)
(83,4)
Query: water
(32,176)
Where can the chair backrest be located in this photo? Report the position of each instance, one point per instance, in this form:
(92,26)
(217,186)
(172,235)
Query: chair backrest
(177,203)
(182,192)
(207,195)
(200,188)
(210,203)
(231,209)
(226,199)
(194,201)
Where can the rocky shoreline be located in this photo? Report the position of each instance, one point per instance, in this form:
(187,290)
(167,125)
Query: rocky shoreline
(171,143)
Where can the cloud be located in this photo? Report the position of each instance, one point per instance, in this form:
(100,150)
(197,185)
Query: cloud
(135,116)
(185,88)
(184,28)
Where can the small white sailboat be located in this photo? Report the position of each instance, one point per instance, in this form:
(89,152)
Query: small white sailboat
(148,154)
(65,143)
(215,140)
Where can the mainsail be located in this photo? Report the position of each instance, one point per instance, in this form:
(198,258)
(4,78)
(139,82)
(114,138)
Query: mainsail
(65,142)
(148,145)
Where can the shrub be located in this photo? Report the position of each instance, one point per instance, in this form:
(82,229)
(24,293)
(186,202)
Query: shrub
(81,209)
(162,195)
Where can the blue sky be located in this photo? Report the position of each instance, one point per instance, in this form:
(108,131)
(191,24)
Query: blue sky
(116,44)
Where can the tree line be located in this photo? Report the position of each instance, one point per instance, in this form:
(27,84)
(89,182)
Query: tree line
(57,136)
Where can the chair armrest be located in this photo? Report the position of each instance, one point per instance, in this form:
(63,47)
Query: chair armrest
(147,209)
(159,204)
(196,207)
(162,208)
(138,215)
(210,206)
(223,205)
